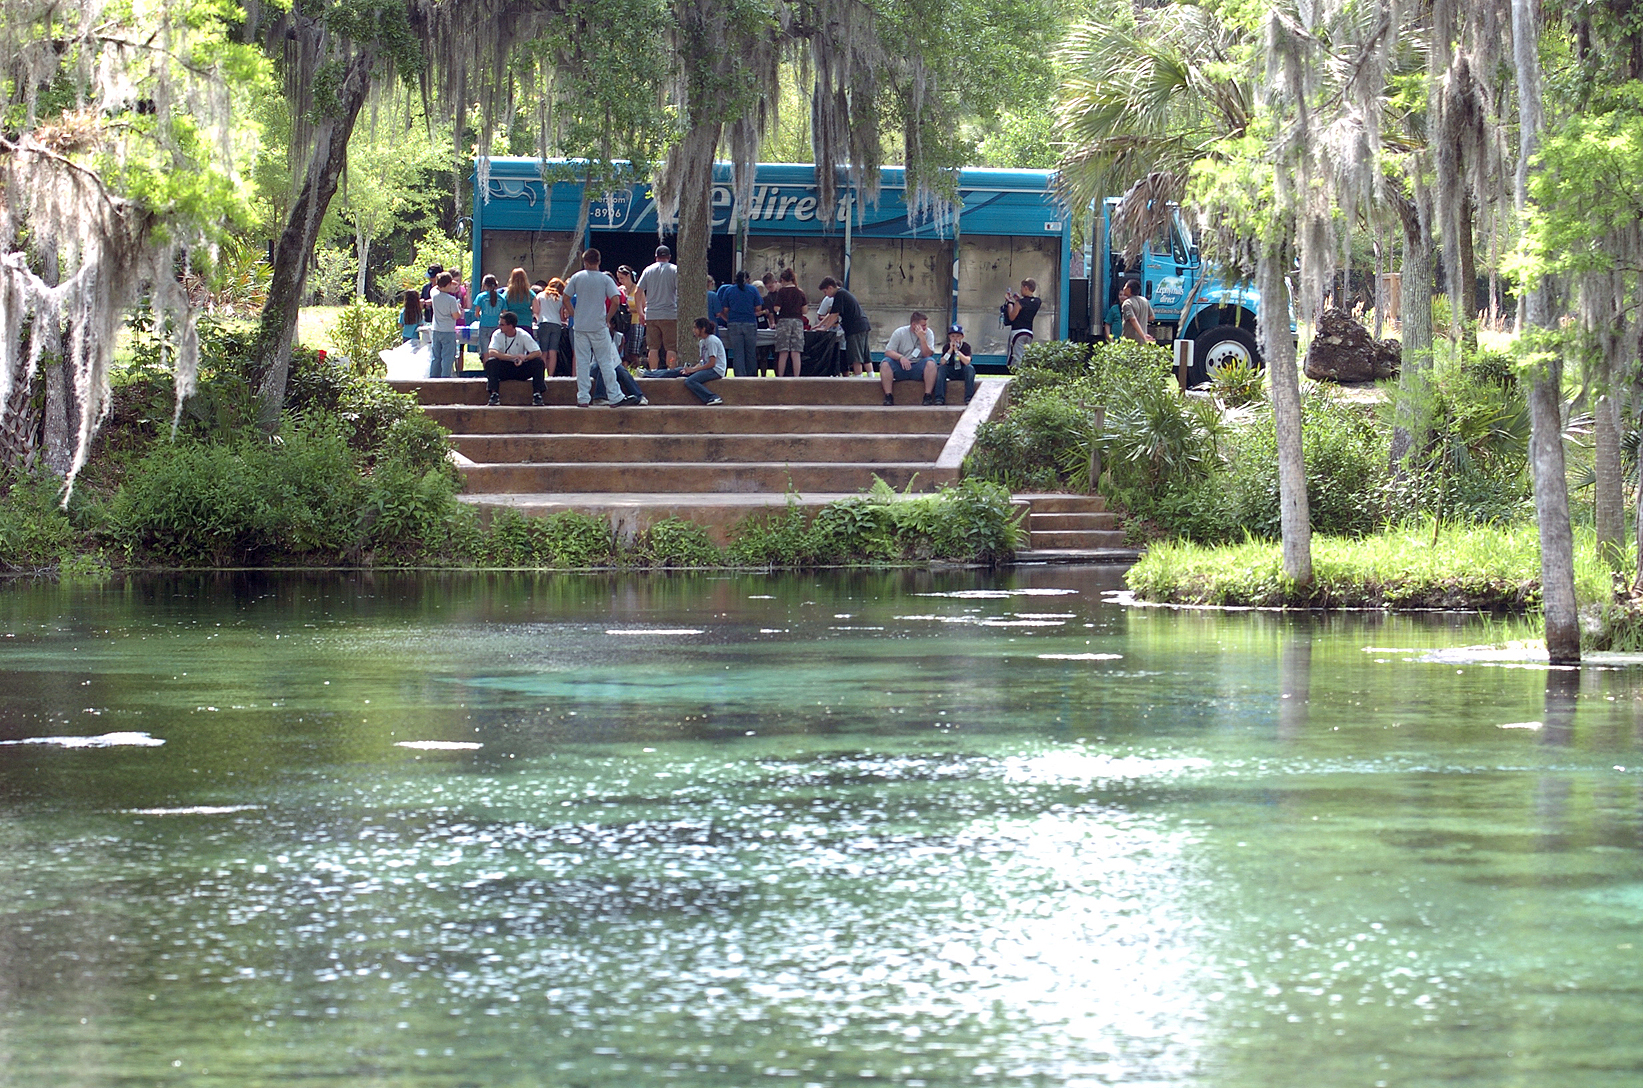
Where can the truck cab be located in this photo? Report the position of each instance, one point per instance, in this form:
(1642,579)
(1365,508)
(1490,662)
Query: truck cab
(1219,318)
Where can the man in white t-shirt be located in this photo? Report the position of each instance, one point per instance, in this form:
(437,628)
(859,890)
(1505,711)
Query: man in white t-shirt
(513,356)
(910,356)
(447,311)
(594,294)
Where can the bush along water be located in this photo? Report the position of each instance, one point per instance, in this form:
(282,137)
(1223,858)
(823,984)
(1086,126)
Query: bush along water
(358,474)
(1203,466)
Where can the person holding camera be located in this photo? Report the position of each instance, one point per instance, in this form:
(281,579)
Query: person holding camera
(1019,311)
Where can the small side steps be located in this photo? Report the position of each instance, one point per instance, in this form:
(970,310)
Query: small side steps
(1072,529)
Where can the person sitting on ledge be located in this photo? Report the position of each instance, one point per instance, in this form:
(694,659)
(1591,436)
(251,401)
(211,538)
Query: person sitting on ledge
(711,351)
(910,356)
(955,365)
(513,356)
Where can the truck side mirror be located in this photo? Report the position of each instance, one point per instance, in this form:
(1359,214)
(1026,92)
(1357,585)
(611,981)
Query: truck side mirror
(1193,254)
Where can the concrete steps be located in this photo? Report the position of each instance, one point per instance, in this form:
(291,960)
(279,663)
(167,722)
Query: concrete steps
(695,420)
(770,449)
(772,437)
(677,477)
(1072,528)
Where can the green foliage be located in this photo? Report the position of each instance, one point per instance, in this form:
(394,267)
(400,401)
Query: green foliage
(432,248)
(1152,440)
(377,420)
(1039,441)
(973,521)
(251,501)
(1023,451)
(567,539)
(361,331)
(1237,382)
(674,542)
(35,533)
(406,516)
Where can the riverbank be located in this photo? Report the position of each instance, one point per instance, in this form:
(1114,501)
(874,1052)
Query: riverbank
(1482,568)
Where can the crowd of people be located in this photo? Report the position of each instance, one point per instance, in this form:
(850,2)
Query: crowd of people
(596,326)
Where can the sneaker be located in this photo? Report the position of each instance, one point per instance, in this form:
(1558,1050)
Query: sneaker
(584,404)
(536,399)
(715,400)
(643,401)
(929,399)
(619,402)
(633,401)
(496,398)
(889,399)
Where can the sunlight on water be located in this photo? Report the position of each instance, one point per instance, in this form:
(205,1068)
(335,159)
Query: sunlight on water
(730,830)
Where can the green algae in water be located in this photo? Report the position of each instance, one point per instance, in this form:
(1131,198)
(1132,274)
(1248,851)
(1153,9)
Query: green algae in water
(910,828)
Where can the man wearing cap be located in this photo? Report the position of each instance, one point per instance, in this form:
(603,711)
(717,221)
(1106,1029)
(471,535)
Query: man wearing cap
(955,364)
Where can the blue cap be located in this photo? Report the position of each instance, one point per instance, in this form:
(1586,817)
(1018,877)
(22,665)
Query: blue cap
(956,328)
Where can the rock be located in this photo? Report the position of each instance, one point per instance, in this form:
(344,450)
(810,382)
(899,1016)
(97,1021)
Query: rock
(1343,351)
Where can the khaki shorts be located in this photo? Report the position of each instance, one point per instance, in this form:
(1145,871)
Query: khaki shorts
(790,334)
(662,335)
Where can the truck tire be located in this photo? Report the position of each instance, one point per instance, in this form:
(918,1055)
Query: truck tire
(1217,345)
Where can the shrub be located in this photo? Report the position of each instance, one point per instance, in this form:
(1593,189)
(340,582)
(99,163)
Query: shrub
(675,542)
(253,500)
(361,331)
(1237,382)
(566,539)
(406,515)
(1346,471)
(1024,450)
(973,521)
(35,533)
(322,388)
(1035,445)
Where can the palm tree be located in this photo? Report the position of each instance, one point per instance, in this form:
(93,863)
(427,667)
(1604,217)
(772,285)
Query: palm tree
(1145,96)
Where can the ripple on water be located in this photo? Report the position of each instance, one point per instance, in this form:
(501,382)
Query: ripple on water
(104,740)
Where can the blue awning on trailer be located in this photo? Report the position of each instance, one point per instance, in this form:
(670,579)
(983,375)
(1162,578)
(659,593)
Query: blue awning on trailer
(998,202)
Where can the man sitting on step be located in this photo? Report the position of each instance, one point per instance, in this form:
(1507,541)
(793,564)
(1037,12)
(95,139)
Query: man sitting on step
(711,351)
(514,356)
(910,356)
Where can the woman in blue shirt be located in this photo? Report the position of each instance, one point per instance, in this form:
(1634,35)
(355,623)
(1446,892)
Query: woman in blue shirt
(487,310)
(737,305)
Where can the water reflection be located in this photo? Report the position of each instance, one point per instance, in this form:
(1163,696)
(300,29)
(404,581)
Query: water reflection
(919,828)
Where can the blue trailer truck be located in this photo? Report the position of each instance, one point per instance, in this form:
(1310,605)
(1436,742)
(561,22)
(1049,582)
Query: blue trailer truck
(954,264)
(1218,317)
(1006,226)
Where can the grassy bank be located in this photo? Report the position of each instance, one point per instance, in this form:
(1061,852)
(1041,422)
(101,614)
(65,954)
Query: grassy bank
(1479,567)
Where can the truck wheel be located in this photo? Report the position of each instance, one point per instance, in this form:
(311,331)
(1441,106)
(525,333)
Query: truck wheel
(1221,344)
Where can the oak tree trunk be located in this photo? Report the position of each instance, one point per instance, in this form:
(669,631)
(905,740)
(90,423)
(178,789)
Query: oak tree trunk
(362,250)
(695,218)
(278,325)
(1609,490)
(1557,560)
(1412,414)
(1466,306)
(1278,347)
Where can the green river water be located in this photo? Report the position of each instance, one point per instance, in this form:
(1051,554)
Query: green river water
(911,828)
